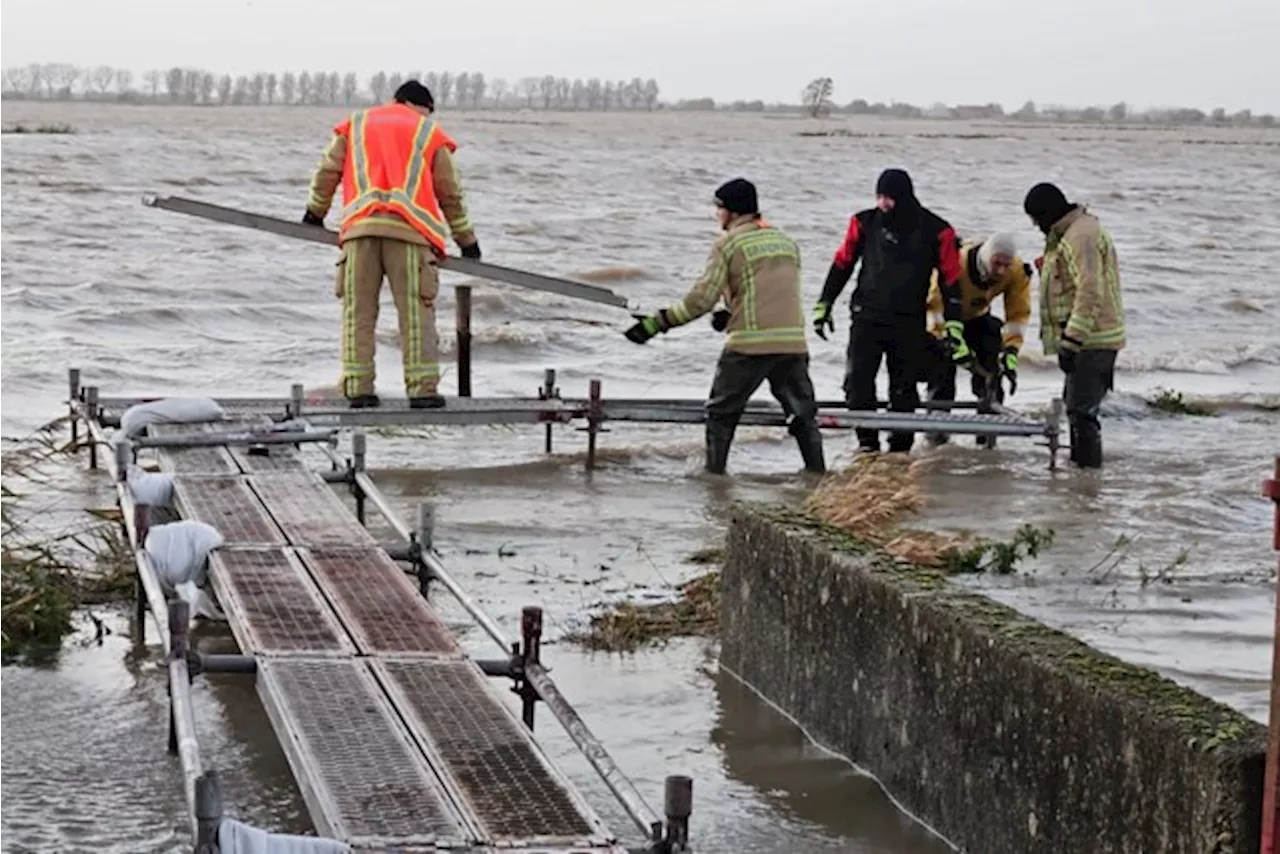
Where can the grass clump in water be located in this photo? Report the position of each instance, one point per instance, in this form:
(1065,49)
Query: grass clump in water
(628,626)
(1168,400)
(54,128)
(872,497)
(45,577)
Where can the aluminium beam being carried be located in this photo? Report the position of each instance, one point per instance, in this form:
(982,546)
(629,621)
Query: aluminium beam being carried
(319,234)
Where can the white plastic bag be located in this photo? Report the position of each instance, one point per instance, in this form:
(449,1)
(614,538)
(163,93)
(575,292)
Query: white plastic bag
(170,410)
(179,551)
(153,490)
(236,837)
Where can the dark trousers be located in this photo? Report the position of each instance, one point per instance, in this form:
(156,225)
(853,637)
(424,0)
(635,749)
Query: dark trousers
(903,346)
(1082,393)
(985,337)
(738,375)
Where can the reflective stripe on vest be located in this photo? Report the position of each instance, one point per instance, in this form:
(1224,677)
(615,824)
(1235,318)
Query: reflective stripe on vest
(394,174)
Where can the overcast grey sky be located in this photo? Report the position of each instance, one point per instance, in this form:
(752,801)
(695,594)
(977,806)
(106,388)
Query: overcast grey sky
(1076,52)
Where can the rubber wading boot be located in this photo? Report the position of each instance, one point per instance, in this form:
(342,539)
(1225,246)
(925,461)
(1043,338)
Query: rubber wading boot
(363,401)
(809,440)
(719,438)
(1090,454)
(427,401)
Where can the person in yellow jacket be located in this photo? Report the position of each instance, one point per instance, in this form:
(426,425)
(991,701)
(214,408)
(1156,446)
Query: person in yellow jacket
(401,199)
(1081,311)
(988,270)
(755,269)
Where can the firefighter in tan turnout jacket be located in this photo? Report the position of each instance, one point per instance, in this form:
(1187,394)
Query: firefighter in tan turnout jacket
(755,269)
(1081,311)
(401,200)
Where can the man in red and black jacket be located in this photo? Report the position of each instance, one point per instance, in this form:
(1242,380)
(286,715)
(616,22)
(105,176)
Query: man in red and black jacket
(900,243)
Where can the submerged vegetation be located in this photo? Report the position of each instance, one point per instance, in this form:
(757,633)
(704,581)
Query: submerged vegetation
(54,128)
(872,497)
(1168,400)
(46,576)
(868,500)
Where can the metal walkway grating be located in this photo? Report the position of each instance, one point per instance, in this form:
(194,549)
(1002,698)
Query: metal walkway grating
(226,503)
(272,604)
(362,778)
(197,461)
(512,788)
(377,602)
(309,512)
(278,458)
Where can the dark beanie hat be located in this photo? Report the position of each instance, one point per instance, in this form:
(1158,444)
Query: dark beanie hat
(1046,204)
(738,196)
(896,184)
(413,92)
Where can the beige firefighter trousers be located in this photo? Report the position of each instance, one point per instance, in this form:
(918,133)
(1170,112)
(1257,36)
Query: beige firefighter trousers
(412,271)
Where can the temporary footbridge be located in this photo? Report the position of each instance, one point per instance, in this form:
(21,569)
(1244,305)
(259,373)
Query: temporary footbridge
(548,407)
(395,739)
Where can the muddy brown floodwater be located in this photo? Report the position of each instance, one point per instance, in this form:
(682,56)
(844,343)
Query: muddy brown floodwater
(146,301)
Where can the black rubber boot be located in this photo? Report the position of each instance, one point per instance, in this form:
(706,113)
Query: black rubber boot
(719,439)
(809,439)
(1089,455)
(427,401)
(363,401)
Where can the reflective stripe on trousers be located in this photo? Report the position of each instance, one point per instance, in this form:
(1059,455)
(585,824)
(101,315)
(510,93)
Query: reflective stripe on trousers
(414,285)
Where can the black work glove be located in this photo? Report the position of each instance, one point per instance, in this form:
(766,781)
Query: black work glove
(647,327)
(309,218)
(1009,365)
(720,320)
(472,251)
(822,319)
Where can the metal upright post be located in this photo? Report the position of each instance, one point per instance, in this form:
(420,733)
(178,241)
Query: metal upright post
(462,316)
(678,803)
(73,395)
(595,414)
(124,456)
(1271,776)
(91,413)
(530,654)
(297,394)
(179,624)
(1055,432)
(426,535)
(358,450)
(208,812)
(142,526)
(548,392)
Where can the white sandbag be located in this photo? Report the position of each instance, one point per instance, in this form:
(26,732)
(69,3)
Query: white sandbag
(170,410)
(154,490)
(236,837)
(202,605)
(179,551)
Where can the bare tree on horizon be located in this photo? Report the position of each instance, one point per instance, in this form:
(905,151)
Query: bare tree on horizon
(817,96)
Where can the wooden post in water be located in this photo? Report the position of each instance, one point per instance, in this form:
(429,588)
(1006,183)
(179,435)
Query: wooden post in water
(462,314)
(1271,784)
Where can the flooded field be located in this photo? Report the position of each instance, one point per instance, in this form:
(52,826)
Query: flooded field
(148,301)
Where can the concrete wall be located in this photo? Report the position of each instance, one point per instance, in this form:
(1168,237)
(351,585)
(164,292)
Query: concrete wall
(1005,735)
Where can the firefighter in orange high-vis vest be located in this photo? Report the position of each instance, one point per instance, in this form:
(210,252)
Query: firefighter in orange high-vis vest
(401,200)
